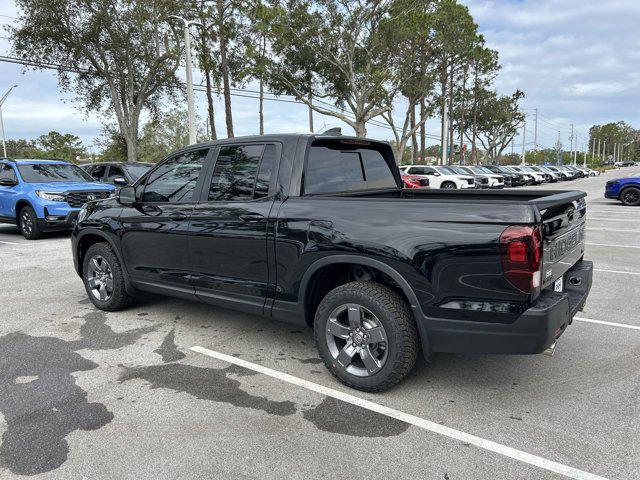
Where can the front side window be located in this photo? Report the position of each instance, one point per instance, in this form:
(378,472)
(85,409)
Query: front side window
(52,172)
(98,171)
(337,167)
(114,172)
(175,180)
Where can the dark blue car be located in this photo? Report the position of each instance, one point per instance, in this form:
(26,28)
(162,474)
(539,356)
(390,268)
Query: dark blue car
(627,190)
(45,195)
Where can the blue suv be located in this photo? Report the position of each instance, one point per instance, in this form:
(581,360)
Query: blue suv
(45,195)
(627,190)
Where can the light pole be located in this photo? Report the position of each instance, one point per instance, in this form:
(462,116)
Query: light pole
(4,97)
(187,52)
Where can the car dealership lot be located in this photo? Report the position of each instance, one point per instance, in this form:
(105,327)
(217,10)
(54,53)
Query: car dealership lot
(89,394)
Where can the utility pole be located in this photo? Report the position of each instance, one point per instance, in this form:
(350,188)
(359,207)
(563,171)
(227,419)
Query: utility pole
(535,132)
(4,97)
(584,151)
(445,134)
(604,150)
(571,140)
(187,52)
(310,115)
(558,148)
(593,149)
(524,126)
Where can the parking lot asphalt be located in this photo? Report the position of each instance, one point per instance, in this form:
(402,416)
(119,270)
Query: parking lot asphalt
(95,395)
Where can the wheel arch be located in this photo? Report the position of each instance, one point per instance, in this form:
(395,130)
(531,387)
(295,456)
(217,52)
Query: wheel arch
(628,186)
(90,237)
(309,285)
(20,204)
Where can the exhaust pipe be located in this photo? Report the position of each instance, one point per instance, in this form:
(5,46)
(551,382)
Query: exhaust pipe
(549,351)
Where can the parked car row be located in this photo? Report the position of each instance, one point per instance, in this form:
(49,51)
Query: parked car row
(452,177)
(46,195)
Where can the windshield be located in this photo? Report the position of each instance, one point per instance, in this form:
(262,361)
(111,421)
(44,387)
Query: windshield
(52,172)
(459,170)
(136,171)
(446,171)
(482,170)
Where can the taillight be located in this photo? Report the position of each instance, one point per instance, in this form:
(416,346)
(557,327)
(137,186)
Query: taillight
(521,255)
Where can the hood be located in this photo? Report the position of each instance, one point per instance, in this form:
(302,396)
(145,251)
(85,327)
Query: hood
(72,186)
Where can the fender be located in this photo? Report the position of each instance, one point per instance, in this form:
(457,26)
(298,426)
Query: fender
(100,233)
(378,265)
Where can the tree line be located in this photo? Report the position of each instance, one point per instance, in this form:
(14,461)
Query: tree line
(399,62)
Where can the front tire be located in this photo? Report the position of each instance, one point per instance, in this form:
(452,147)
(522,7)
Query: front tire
(630,196)
(448,186)
(28,223)
(103,279)
(366,335)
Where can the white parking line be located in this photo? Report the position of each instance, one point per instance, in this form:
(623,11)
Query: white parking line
(609,219)
(615,271)
(611,324)
(611,245)
(9,243)
(407,418)
(611,230)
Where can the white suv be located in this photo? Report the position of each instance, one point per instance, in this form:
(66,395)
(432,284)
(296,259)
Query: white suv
(439,177)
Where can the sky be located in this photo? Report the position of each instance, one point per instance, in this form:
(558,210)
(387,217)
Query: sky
(578,62)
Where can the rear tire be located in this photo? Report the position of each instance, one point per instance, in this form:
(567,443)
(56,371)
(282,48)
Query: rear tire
(28,223)
(103,279)
(630,196)
(378,354)
(448,185)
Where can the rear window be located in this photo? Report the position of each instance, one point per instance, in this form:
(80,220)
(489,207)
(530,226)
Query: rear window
(337,167)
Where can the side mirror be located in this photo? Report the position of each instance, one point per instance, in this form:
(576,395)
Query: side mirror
(120,181)
(127,196)
(7,182)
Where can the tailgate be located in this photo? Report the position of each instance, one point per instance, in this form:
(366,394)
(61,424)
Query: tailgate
(563,239)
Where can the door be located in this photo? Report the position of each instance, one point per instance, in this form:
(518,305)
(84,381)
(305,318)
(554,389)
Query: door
(229,228)
(154,241)
(8,192)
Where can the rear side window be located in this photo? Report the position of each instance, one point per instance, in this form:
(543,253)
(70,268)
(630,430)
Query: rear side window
(242,173)
(175,180)
(334,167)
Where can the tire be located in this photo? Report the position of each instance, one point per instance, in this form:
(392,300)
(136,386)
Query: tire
(377,306)
(448,185)
(630,196)
(28,223)
(101,268)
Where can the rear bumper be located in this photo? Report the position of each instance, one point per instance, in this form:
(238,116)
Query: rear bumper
(532,332)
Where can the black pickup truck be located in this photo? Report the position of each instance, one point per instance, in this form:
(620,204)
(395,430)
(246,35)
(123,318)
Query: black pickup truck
(316,230)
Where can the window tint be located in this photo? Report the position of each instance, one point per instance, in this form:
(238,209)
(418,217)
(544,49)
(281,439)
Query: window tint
(114,172)
(264,172)
(234,174)
(53,172)
(97,172)
(7,172)
(334,168)
(175,180)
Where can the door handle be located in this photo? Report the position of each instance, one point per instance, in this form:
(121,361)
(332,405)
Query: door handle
(251,217)
(178,216)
